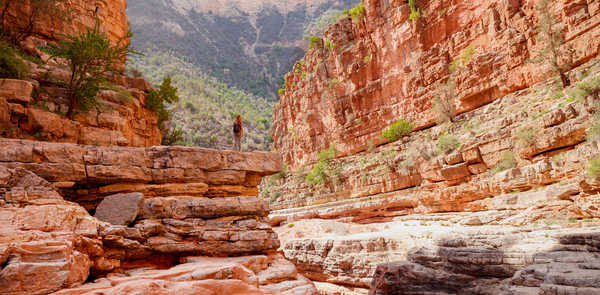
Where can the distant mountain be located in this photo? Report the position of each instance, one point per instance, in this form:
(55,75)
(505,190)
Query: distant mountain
(249,44)
(245,46)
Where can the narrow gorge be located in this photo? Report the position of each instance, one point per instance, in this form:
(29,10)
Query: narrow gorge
(419,147)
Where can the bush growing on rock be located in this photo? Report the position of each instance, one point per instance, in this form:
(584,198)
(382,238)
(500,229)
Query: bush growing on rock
(593,169)
(443,104)
(314,42)
(11,66)
(356,12)
(447,144)
(173,137)
(397,130)
(585,88)
(323,168)
(157,100)
(89,56)
(508,161)
(594,131)
(526,136)
(415,12)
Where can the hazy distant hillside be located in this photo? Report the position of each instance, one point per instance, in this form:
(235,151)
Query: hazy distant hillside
(207,106)
(227,57)
(249,44)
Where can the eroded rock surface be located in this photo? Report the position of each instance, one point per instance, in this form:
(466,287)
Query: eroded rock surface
(209,208)
(382,66)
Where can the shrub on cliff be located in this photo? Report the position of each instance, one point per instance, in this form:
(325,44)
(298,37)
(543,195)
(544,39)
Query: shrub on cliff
(443,104)
(157,100)
(398,130)
(594,131)
(173,137)
(90,55)
(323,168)
(283,87)
(551,36)
(447,144)
(508,161)
(415,12)
(357,12)
(314,42)
(593,169)
(526,136)
(11,66)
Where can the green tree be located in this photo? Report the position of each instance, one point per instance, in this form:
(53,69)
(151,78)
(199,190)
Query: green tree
(157,101)
(90,56)
(551,36)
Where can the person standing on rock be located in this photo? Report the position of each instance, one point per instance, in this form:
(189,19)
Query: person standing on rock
(238,133)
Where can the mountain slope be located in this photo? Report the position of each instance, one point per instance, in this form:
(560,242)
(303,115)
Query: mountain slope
(227,57)
(246,44)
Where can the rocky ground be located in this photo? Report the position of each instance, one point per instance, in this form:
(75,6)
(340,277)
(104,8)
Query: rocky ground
(156,211)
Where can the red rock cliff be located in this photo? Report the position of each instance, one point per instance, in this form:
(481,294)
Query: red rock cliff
(385,67)
(111,14)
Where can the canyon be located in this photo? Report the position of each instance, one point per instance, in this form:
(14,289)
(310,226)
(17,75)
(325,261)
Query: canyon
(504,198)
(498,201)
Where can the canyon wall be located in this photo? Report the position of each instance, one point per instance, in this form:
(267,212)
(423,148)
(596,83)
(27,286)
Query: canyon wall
(81,14)
(384,67)
(165,220)
(499,201)
(34,107)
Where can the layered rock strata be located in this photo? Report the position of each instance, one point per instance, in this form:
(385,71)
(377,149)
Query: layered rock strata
(524,156)
(560,262)
(169,204)
(381,66)
(433,254)
(515,160)
(35,109)
(80,15)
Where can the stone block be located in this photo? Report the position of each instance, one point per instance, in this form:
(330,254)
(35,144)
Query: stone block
(18,91)
(120,209)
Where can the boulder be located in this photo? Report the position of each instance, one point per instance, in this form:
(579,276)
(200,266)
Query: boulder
(16,90)
(120,209)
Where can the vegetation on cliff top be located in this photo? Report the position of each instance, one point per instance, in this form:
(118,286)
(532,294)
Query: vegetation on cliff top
(11,66)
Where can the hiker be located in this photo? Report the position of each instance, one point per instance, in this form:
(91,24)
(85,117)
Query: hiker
(238,133)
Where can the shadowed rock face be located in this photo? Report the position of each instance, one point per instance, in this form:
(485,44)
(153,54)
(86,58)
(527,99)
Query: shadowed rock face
(205,204)
(569,265)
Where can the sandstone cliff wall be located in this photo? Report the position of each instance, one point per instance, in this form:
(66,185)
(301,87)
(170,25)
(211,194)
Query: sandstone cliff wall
(82,15)
(34,108)
(385,67)
(497,202)
(166,216)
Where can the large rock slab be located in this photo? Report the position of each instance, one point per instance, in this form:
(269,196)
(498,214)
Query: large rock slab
(120,209)
(18,91)
(250,275)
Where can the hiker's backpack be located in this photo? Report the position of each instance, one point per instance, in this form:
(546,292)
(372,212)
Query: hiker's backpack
(236,128)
